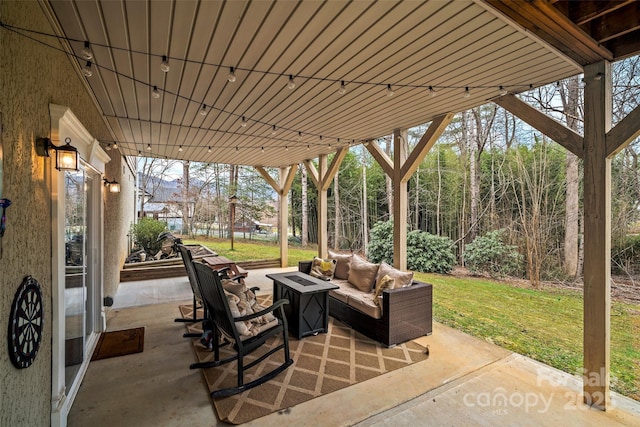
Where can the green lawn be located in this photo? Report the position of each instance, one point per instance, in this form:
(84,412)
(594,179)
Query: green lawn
(246,250)
(544,324)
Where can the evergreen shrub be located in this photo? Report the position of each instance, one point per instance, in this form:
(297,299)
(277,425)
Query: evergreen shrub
(425,252)
(489,254)
(145,234)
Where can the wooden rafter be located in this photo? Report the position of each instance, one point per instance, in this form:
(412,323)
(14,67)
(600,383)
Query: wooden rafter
(623,133)
(438,125)
(568,138)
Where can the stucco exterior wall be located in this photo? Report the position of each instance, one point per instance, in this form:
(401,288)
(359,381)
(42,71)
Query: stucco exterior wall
(32,75)
(119,214)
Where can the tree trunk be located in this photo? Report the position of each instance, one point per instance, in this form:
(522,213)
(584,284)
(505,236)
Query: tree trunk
(305,213)
(572,207)
(185,198)
(474,180)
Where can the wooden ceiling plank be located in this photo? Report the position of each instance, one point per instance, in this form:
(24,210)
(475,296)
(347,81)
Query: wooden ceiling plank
(616,24)
(584,11)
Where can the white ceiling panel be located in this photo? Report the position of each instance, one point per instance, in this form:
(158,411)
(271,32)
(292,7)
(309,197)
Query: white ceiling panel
(410,45)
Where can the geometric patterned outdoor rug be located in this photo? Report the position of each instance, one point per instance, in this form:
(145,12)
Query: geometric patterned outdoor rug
(322,364)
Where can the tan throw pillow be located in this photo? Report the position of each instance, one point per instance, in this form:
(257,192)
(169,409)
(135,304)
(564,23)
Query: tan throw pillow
(323,268)
(362,274)
(401,278)
(343,264)
(382,284)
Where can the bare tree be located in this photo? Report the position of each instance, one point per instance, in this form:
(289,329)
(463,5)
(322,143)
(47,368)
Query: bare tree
(152,172)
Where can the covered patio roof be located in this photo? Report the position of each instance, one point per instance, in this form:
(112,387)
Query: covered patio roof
(418,49)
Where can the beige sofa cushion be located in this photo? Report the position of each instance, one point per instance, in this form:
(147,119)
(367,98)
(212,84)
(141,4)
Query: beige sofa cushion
(362,274)
(343,264)
(343,291)
(364,302)
(401,278)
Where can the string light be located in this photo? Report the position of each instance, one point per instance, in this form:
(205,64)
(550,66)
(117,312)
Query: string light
(274,130)
(165,68)
(108,147)
(87,70)
(86,51)
(203,110)
(232,75)
(164,65)
(467,93)
(244,122)
(292,83)
(180,148)
(209,151)
(115,145)
(149,147)
(155,93)
(503,91)
(286,148)
(343,88)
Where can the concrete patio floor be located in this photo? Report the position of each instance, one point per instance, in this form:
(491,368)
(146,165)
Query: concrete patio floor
(465,381)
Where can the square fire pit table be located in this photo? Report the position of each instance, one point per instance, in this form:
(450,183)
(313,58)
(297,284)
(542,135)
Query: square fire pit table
(308,309)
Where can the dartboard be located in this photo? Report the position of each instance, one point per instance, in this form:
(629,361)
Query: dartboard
(25,323)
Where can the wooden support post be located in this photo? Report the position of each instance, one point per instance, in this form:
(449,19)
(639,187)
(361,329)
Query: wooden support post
(284,219)
(400,200)
(282,188)
(323,222)
(597,235)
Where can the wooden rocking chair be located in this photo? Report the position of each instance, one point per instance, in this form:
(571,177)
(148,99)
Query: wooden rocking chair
(187,260)
(219,314)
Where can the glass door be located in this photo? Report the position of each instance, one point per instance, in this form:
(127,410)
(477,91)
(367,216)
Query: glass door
(78,294)
(75,271)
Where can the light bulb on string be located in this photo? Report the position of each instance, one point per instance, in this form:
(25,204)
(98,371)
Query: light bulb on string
(180,148)
(390,91)
(466,92)
(432,91)
(164,65)
(343,88)
(244,122)
(503,91)
(155,93)
(108,147)
(203,110)
(232,75)
(115,145)
(209,150)
(87,71)
(274,130)
(291,84)
(149,147)
(286,148)
(86,51)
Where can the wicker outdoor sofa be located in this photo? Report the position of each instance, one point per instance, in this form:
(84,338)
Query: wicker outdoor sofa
(402,314)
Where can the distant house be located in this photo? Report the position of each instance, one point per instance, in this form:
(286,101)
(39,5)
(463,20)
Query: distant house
(163,203)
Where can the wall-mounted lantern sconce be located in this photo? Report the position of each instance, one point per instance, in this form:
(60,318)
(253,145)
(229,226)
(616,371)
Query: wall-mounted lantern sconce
(113,186)
(66,155)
